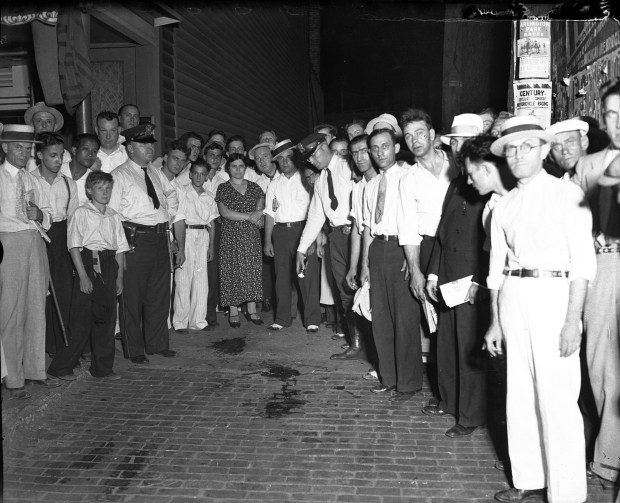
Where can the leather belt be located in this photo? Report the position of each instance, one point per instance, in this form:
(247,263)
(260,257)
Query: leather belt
(609,249)
(196,226)
(298,223)
(385,237)
(345,229)
(535,273)
(156,229)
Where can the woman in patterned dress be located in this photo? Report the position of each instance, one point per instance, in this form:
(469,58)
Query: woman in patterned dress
(240,203)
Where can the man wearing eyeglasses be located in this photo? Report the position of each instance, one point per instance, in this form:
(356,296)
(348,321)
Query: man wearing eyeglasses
(570,145)
(601,310)
(541,262)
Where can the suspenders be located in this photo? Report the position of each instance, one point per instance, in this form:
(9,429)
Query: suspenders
(64,178)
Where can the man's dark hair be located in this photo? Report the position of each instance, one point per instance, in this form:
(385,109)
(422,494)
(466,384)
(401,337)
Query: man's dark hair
(216,131)
(180,145)
(333,130)
(415,115)
(478,149)
(363,138)
(199,162)
(354,122)
(126,105)
(609,88)
(47,139)
(78,139)
(97,177)
(190,134)
(339,139)
(236,137)
(212,145)
(488,110)
(108,116)
(377,132)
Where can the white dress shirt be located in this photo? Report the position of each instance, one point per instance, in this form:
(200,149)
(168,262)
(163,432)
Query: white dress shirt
(421,197)
(388,225)
(89,228)
(109,162)
(287,199)
(320,205)
(80,182)
(63,201)
(197,209)
(486,219)
(357,203)
(544,224)
(130,199)
(9,219)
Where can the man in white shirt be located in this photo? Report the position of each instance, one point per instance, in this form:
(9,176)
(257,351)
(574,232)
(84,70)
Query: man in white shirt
(45,119)
(111,153)
(394,310)
(332,202)
(24,211)
(147,203)
(570,145)
(84,150)
(541,261)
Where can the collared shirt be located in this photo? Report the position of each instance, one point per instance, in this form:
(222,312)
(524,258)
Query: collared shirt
(544,224)
(486,219)
(197,209)
(357,203)
(388,225)
(63,200)
(9,220)
(89,228)
(130,198)
(263,180)
(320,205)
(421,197)
(109,162)
(287,199)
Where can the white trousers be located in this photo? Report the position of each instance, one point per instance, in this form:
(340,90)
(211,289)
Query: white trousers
(192,283)
(545,428)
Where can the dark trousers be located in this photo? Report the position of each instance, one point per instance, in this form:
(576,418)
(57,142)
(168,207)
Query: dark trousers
(339,245)
(461,369)
(61,273)
(213,272)
(285,242)
(395,318)
(268,272)
(146,296)
(93,319)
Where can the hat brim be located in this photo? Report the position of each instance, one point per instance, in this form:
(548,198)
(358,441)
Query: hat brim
(279,154)
(445,138)
(371,125)
(13,140)
(497,147)
(29,115)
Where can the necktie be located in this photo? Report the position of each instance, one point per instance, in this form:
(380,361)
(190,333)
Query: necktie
(330,190)
(150,189)
(380,199)
(20,197)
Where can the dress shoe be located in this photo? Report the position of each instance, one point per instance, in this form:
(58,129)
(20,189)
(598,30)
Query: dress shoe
(312,329)
(514,494)
(402,396)
(20,393)
(256,319)
(183,331)
(213,323)
(459,430)
(337,336)
(139,359)
(166,353)
(234,322)
(66,377)
(274,327)
(382,388)
(371,375)
(47,383)
(433,410)
(351,353)
(208,328)
(110,377)
(266,306)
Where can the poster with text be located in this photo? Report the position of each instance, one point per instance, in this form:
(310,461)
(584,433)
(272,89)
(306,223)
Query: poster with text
(533,49)
(533,97)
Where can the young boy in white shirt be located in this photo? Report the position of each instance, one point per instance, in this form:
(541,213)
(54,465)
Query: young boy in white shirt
(97,244)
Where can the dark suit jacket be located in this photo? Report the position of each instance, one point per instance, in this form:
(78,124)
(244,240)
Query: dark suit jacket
(460,236)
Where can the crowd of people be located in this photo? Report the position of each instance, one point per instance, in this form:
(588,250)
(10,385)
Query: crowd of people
(500,236)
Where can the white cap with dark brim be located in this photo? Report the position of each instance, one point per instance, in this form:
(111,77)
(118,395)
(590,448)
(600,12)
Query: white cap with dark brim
(569,125)
(515,128)
(387,118)
(17,133)
(464,126)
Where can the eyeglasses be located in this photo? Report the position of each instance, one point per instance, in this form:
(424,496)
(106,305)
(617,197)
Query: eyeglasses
(569,144)
(362,152)
(524,148)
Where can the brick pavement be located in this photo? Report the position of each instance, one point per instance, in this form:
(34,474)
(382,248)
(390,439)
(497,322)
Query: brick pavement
(240,415)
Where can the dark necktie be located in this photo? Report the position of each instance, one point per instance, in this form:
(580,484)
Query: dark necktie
(330,190)
(150,189)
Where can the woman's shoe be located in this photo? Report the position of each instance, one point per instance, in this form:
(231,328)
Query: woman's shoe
(255,318)
(233,321)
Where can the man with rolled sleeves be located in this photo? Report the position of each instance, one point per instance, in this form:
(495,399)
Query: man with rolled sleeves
(542,259)
(147,203)
(24,273)
(332,202)
(394,308)
(597,175)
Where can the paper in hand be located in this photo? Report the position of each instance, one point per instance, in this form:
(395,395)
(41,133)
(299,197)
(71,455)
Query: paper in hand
(456,292)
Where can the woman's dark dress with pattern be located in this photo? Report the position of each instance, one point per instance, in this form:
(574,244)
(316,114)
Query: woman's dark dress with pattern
(241,259)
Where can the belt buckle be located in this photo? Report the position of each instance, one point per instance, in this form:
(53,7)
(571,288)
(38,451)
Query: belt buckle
(346,229)
(535,273)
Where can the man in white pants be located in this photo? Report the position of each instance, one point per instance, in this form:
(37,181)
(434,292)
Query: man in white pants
(541,261)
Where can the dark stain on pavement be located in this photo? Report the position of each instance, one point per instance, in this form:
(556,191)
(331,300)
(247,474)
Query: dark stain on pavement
(229,346)
(280,372)
(282,404)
